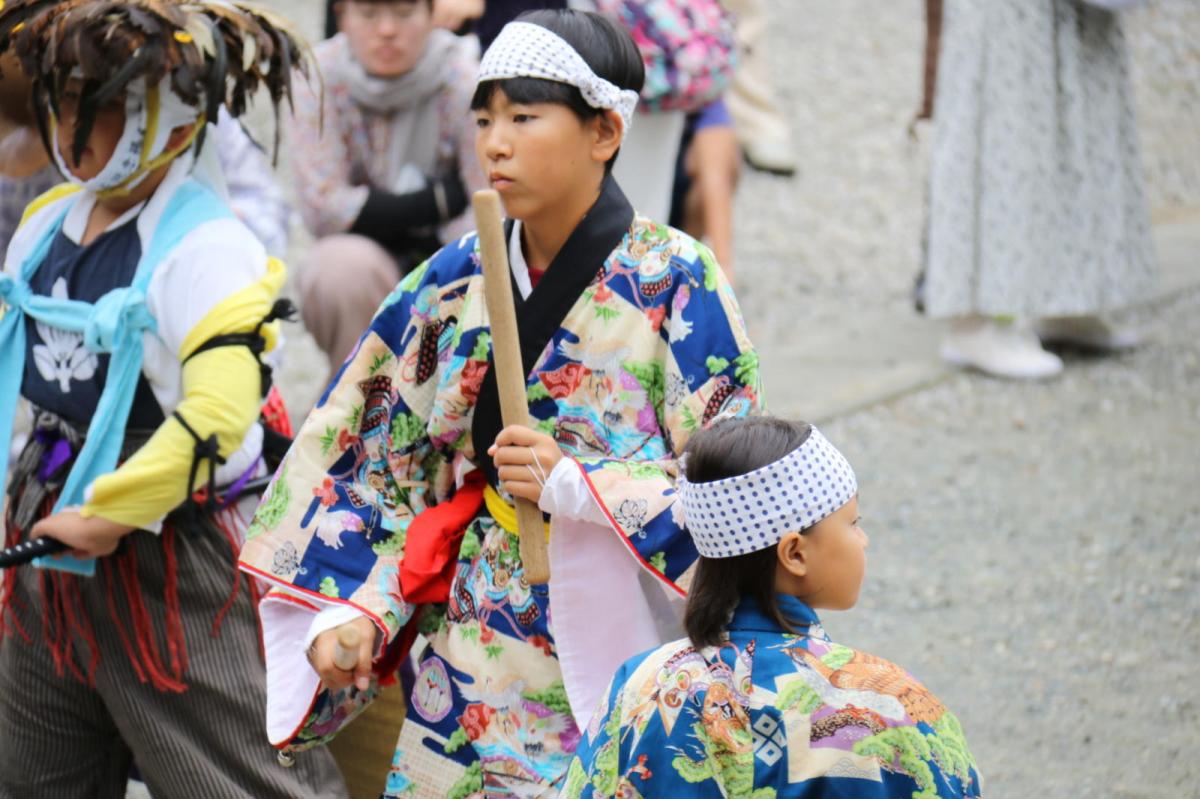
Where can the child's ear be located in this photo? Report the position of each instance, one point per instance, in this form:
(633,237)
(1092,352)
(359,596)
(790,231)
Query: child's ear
(609,128)
(793,554)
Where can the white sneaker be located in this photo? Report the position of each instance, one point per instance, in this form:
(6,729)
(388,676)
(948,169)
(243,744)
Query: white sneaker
(1089,332)
(1002,349)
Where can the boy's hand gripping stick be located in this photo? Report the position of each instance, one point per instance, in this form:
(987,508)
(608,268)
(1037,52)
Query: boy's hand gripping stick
(345,657)
(510,371)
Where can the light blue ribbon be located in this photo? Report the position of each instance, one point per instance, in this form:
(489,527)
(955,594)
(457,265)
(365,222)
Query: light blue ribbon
(114,325)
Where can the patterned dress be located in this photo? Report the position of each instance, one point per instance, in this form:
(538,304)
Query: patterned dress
(632,340)
(770,714)
(1037,202)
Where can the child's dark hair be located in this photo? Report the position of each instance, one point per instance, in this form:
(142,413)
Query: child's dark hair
(606,47)
(729,448)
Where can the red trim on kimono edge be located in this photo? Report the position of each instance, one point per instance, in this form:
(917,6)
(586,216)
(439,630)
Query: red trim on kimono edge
(620,531)
(325,600)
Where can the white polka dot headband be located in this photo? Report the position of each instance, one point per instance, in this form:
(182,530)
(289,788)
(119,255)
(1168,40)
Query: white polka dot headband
(525,50)
(752,511)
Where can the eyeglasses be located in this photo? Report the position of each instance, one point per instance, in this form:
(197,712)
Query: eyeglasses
(372,13)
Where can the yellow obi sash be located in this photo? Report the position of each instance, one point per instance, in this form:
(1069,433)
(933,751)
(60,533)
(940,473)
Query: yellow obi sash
(504,514)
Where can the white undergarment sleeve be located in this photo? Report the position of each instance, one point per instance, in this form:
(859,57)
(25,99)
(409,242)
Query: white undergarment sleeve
(566,494)
(328,618)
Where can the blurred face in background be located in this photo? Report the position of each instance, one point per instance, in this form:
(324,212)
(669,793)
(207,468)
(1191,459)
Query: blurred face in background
(389,37)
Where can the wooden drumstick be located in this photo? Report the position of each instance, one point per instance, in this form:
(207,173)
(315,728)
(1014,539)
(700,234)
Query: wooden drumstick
(510,371)
(345,651)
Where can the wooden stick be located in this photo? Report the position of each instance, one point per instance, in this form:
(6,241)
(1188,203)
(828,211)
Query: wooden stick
(345,652)
(510,371)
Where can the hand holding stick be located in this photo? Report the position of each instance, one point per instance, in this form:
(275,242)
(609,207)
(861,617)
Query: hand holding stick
(510,371)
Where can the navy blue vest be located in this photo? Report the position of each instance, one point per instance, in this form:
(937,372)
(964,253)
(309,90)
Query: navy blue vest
(61,375)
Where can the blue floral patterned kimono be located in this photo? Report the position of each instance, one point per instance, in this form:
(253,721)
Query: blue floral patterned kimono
(770,715)
(632,340)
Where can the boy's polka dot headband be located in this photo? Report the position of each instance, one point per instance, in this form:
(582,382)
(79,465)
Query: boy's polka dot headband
(752,511)
(525,50)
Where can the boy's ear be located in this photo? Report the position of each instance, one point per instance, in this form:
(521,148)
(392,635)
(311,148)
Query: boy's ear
(793,554)
(609,128)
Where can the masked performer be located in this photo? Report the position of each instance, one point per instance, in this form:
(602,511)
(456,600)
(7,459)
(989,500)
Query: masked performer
(391,511)
(135,311)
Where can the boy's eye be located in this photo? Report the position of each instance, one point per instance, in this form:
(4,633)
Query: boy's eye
(481,122)
(522,117)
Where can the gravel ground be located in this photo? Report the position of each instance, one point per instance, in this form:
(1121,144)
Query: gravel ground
(1034,560)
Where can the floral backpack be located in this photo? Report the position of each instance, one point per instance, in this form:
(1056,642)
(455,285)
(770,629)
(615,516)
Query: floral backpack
(687,46)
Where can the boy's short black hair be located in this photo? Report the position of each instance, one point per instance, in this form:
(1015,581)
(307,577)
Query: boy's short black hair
(606,47)
(729,448)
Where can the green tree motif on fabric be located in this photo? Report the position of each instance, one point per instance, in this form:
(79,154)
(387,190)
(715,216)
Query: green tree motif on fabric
(553,696)
(329,588)
(711,268)
(798,696)
(483,347)
(651,378)
(575,782)
(747,369)
(407,429)
(716,365)
(378,362)
(733,771)
(837,656)
(355,417)
(604,313)
(271,512)
(949,747)
(457,740)
(536,392)
(908,747)
(470,546)
(604,769)
(328,439)
(392,545)
(659,561)
(470,782)
(432,619)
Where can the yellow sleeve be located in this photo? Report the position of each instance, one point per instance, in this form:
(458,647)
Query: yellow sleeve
(221,396)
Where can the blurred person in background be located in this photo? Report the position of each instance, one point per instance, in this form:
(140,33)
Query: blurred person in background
(1038,226)
(25,169)
(762,130)
(382,176)
(706,177)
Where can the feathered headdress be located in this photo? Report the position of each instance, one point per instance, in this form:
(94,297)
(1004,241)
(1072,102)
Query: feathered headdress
(214,52)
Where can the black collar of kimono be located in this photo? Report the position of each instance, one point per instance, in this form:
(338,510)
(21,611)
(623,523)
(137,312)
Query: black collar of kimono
(541,314)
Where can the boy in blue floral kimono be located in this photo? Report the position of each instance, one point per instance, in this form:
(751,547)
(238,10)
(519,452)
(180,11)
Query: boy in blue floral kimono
(392,511)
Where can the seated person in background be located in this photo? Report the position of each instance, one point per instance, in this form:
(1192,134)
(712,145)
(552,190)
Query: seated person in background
(706,178)
(254,194)
(382,179)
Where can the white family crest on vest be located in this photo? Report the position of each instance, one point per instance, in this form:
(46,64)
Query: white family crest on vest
(113,325)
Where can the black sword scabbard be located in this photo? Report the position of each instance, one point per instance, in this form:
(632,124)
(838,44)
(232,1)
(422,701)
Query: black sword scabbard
(26,551)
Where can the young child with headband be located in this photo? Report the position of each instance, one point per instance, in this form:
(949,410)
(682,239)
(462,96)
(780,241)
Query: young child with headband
(757,701)
(392,510)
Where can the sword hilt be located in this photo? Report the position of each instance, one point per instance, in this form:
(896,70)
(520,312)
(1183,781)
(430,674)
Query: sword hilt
(26,551)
